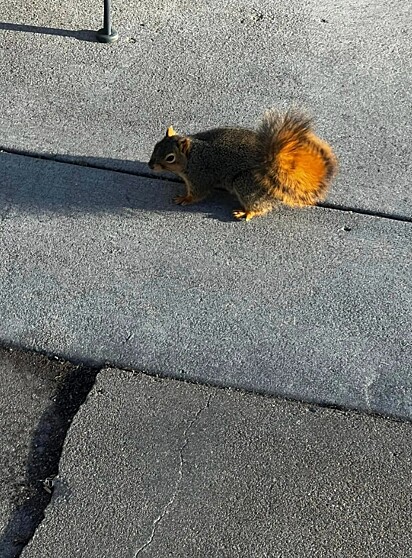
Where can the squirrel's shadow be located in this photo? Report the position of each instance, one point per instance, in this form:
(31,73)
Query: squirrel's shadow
(65,184)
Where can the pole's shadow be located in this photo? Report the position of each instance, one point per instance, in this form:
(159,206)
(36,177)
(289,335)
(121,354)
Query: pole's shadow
(82,35)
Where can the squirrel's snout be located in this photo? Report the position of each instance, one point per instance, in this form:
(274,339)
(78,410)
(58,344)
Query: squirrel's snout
(155,166)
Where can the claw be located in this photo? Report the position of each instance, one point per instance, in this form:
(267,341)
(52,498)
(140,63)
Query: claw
(246,215)
(239,214)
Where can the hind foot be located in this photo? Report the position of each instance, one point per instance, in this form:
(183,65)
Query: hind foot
(240,214)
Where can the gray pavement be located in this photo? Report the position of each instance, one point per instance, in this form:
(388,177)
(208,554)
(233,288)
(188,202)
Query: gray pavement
(197,65)
(312,304)
(157,468)
(98,266)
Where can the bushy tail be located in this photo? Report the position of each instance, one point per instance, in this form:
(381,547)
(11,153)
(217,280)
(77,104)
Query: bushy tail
(294,165)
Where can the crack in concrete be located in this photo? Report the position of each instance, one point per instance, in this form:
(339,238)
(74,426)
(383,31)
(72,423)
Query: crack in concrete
(71,160)
(172,499)
(367,387)
(364,211)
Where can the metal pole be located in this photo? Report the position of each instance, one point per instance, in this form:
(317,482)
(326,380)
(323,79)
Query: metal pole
(107,34)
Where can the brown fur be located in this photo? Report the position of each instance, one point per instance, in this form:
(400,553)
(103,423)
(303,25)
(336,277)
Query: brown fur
(283,161)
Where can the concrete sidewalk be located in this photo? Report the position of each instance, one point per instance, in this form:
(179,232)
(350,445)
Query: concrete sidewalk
(158,467)
(199,65)
(101,267)
(98,266)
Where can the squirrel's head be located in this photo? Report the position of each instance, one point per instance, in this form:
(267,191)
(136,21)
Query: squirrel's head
(170,153)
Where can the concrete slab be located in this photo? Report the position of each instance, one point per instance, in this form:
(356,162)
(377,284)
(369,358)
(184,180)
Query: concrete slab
(311,304)
(162,468)
(199,65)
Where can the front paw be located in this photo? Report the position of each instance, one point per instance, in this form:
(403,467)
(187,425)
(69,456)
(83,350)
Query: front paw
(183,200)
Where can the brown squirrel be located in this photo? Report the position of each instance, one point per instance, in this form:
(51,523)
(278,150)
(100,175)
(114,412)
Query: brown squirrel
(282,161)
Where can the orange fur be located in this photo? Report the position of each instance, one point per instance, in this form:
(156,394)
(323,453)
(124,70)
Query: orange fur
(297,166)
(301,170)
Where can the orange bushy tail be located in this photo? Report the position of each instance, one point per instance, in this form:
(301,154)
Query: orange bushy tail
(294,165)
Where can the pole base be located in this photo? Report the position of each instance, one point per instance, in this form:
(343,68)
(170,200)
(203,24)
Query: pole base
(103,37)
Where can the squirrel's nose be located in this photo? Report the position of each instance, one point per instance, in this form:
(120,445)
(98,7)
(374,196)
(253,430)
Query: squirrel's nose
(151,165)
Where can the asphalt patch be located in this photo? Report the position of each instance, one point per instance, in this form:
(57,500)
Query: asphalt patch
(40,396)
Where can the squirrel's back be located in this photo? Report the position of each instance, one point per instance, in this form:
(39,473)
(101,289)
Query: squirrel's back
(294,165)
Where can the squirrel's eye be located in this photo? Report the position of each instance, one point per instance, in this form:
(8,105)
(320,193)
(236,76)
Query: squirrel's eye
(170,158)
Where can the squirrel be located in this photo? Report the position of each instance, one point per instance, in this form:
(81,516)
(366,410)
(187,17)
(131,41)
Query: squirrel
(283,161)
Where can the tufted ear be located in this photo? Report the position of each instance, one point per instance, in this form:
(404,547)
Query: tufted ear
(184,144)
(170,132)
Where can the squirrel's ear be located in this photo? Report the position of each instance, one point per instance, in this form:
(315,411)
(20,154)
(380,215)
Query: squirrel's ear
(184,144)
(170,132)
